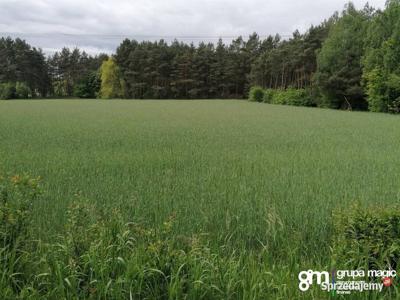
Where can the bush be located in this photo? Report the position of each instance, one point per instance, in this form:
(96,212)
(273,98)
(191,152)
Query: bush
(7,91)
(367,238)
(301,97)
(279,97)
(22,91)
(256,94)
(291,96)
(269,95)
(383,91)
(394,107)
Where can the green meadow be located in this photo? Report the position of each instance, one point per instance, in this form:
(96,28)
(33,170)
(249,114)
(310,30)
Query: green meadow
(257,182)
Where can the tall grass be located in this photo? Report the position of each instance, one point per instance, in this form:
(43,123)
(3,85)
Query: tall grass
(100,256)
(257,184)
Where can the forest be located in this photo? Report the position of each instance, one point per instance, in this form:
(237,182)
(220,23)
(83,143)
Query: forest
(351,60)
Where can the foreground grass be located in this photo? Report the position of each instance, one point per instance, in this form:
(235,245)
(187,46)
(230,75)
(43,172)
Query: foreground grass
(259,182)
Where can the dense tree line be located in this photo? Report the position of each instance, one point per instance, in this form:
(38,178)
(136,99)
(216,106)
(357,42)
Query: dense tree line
(178,70)
(75,73)
(23,70)
(289,63)
(381,61)
(339,69)
(351,60)
(355,62)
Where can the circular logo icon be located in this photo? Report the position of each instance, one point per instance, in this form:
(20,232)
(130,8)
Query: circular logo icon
(387,281)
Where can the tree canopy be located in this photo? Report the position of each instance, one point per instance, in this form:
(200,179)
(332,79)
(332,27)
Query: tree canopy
(382,60)
(339,70)
(112,85)
(19,62)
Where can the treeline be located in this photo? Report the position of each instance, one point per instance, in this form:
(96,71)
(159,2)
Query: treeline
(160,70)
(357,64)
(351,60)
(25,72)
(75,73)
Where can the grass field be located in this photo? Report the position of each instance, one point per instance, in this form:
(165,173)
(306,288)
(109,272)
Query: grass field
(253,178)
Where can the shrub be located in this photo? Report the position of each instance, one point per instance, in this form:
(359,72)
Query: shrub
(256,94)
(300,97)
(7,91)
(394,107)
(279,97)
(393,93)
(367,238)
(291,96)
(269,95)
(22,91)
(383,91)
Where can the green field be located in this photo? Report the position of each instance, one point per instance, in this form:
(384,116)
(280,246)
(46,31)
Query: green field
(253,178)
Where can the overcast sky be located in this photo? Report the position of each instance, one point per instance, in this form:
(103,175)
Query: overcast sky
(100,25)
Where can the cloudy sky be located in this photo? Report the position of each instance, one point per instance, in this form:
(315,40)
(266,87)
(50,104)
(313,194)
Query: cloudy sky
(100,25)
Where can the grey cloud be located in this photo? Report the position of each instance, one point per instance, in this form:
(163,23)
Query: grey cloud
(41,22)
